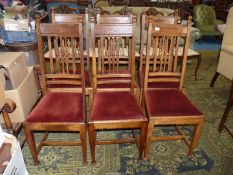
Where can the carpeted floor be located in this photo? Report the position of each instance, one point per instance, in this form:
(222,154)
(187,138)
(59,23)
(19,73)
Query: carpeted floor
(214,153)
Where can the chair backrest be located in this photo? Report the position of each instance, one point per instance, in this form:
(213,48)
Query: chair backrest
(63,6)
(74,18)
(113,66)
(64,9)
(64,18)
(152,11)
(63,69)
(164,42)
(89,12)
(113,19)
(124,11)
(157,17)
(118,19)
(228,37)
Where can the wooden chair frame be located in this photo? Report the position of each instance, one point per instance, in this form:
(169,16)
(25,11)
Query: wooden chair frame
(64,76)
(168,73)
(119,19)
(109,30)
(74,18)
(145,17)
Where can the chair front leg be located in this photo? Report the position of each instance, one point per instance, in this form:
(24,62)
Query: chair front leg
(195,136)
(143,139)
(92,142)
(83,142)
(148,139)
(32,144)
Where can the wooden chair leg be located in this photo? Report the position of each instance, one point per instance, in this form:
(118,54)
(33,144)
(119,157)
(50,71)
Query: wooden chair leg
(141,98)
(214,79)
(227,110)
(198,65)
(137,92)
(148,140)
(90,92)
(195,136)
(142,140)
(92,142)
(32,145)
(84,146)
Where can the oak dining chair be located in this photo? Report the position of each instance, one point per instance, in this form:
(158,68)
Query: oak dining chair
(62,107)
(168,107)
(115,106)
(155,17)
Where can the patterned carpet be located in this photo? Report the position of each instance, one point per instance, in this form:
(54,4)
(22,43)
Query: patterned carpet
(214,154)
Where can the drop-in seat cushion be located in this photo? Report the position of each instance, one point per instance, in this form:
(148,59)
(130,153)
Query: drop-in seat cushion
(115,106)
(169,102)
(59,107)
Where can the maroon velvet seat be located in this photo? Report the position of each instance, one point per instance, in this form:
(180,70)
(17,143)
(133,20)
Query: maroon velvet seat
(171,102)
(168,106)
(63,107)
(116,109)
(115,105)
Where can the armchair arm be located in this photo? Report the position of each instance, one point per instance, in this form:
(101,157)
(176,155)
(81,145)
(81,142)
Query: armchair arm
(9,106)
(217,21)
(227,48)
(194,35)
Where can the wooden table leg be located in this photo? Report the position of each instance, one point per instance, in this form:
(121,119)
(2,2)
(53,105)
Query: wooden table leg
(226,112)
(214,79)
(198,65)
(198,57)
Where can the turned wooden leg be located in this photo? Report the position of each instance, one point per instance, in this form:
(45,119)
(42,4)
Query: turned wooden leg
(148,140)
(92,142)
(214,79)
(142,140)
(227,110)
(84,144)
(31,143)
(195,136)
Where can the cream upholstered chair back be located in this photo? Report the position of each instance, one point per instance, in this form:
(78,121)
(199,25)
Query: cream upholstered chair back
(225,65)
(228,31)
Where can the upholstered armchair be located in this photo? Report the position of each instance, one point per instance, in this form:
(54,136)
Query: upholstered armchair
(205,19)
(225,65)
